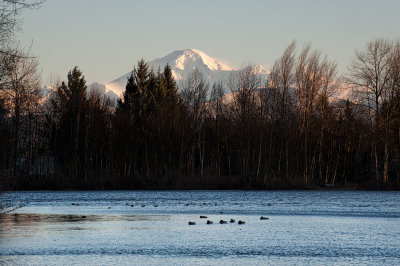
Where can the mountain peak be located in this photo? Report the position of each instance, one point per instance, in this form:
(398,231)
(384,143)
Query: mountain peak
(182,62)
(192,58)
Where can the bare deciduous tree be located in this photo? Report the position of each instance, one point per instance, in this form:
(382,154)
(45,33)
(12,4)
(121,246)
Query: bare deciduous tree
(20,91)
(283,80)
(244,85)
(370,73)
(9,17)
(315,83)
(194,96)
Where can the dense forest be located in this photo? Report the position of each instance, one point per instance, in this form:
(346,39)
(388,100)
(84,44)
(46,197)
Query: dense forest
(289,132)
(295,130)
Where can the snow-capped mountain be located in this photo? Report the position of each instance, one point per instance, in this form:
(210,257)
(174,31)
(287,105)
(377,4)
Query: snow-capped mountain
(181,63)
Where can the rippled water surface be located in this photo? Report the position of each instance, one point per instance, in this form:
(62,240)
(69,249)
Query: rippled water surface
(151,227)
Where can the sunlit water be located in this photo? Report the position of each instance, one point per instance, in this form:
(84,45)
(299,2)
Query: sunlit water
(151,228)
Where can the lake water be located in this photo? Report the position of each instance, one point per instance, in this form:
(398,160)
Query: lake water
(151,228)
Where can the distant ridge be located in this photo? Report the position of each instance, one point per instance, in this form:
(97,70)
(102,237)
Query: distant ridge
(181,63)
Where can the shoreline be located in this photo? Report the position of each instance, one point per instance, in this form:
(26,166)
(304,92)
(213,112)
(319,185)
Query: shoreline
(341,188)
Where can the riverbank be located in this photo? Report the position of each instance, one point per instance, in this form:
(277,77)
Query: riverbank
(179,182)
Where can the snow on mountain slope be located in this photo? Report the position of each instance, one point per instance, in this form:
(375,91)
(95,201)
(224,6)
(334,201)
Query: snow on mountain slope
(182,62)
(182,59)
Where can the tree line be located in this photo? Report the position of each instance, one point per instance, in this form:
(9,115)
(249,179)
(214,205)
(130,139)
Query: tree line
(291,131)
(19,83)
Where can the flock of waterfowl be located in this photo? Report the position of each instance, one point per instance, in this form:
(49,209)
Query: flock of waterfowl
(190,222)
(224,222)
(127,204)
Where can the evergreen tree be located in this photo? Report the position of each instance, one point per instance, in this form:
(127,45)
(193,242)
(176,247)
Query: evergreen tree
(170,86)
(127,103)
(136,96)
(72,100)
(158,91)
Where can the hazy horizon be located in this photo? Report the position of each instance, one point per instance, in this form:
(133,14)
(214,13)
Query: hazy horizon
(106,39)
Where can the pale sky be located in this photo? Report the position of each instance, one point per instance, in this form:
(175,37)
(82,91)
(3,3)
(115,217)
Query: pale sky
(106,38)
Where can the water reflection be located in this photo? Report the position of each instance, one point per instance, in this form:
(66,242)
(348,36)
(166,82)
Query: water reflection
(27,224)
(24,219)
